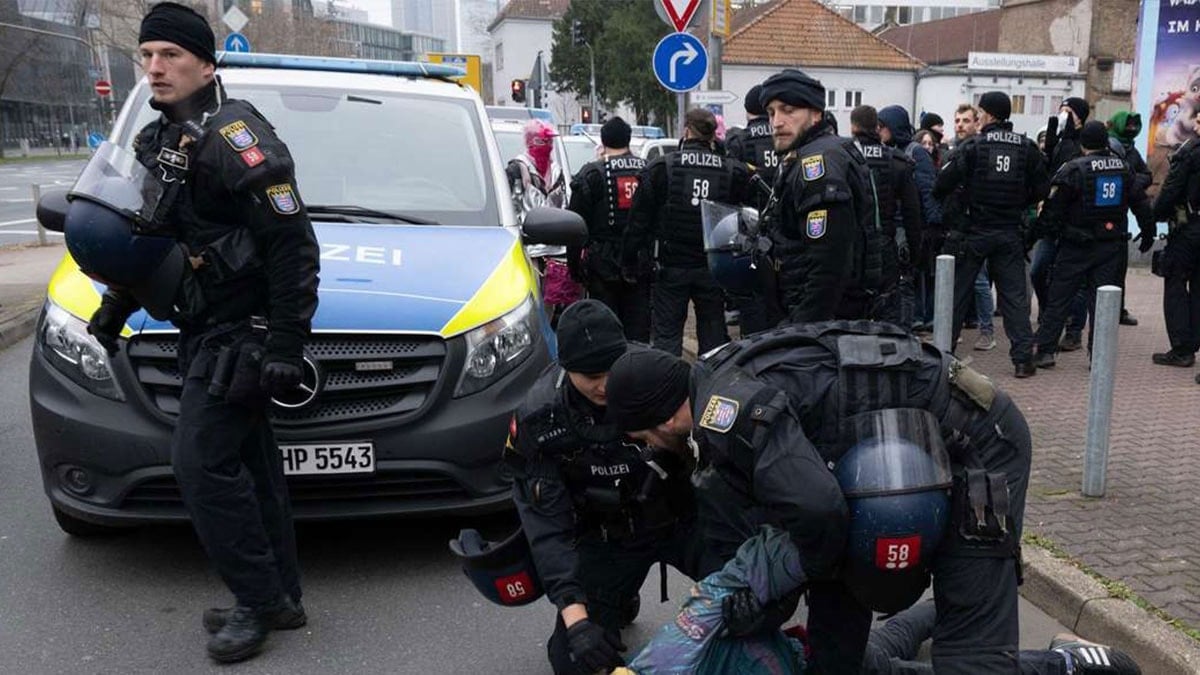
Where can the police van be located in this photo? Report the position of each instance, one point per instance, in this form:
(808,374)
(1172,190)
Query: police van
(429,331)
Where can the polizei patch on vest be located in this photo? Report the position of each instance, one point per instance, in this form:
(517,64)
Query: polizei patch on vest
(173,158)
(238,136)
(283,199)
(815,224)
(720,414)
(814,166)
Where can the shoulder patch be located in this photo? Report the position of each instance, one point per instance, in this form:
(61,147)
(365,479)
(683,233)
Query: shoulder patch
(238,136)
(283,199)
(815,223)
(719,414)
(814,166)
(252,157)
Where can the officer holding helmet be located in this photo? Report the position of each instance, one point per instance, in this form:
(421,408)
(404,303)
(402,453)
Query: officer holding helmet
(768,417)
(241,241)
(597,509)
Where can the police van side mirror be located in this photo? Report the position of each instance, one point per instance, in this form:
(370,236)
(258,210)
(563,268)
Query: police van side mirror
(52,210)
(554,227)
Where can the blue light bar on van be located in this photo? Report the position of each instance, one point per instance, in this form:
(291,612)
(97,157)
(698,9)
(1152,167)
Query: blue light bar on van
(337,65)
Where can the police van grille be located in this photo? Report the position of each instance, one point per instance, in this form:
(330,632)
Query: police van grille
(364,376)
(383,486)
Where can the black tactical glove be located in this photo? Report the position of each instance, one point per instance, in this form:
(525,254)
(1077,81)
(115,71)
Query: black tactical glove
(107,323)
(280,374)
(594,647)
(742,613)
(1145,241)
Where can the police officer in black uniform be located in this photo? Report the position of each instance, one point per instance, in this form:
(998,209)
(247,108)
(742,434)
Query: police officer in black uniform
(899,208)
(598,509)
(602,193)
(230,197)
(666,220)
(822,219)
(1004,174)
(766,416)
(1087,213)
(1178,203)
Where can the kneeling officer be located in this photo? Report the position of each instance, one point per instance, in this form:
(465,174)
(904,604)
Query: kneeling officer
(598,510)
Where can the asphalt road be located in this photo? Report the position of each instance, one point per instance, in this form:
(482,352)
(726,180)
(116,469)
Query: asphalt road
(17,224)
(382,597)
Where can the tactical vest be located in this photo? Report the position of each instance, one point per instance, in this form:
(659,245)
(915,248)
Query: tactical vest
(694,174)
(1101,211)
(996,183)
(621,175)
(882,162)
(612,482)
(759,150)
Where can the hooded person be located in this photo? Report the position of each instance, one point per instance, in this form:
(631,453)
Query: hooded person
(1073,114)
(531,174)
(598,510)
(1123,129)
(896,130)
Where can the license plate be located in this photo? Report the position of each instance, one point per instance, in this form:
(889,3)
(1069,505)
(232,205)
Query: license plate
(320,459)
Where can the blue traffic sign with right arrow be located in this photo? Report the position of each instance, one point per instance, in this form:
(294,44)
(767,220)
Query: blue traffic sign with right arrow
(236,42)
(680,62)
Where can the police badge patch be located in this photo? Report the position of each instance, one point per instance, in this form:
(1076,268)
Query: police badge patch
(720,414)
(283,199)
(814,166)
(238,136)
(815,228)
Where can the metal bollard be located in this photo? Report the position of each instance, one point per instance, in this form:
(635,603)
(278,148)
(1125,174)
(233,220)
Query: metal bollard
(1100,396)
(943,303)
(37,197)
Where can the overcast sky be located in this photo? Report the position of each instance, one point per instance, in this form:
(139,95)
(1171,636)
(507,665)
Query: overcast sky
(379,11)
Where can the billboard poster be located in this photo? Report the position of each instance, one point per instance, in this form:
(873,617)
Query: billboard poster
(1167,82)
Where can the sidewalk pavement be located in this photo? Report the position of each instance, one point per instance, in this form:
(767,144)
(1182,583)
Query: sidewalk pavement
(1141,534)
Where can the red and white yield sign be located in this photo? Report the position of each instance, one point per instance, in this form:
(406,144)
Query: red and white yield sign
(103,88)
(680,12)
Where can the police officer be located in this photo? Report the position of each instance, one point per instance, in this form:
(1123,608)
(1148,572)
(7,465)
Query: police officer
(1003,174)
(666,220)
(822,218)
(1178,202)
(602,193)
(230,196)
(597,509)
(1123,128)
(768,415)
(1087,213)
(899,205)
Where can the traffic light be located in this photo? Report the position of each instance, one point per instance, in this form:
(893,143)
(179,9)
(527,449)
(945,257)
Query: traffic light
(577,37)
(518,91)
(586,115)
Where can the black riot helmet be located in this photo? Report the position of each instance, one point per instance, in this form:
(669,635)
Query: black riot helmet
(502,571)
(896,479)
(732,245)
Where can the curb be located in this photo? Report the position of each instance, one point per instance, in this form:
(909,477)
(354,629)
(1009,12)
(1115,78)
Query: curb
(1081,604)
(20,324)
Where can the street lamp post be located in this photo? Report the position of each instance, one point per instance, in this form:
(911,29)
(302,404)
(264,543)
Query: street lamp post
(592,84)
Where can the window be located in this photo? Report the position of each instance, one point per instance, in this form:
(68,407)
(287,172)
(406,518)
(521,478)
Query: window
(860,14)
(1055,104)
(1018,104)
(935,13)
(499,56)
(904,15)
(831,98)
(975,99)
(853,99)
(1037,104)
(876,13)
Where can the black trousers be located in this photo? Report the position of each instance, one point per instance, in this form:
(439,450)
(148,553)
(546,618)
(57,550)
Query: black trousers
(674,287)
(612,572)
(1078,266)
(1004,254)
(1181,288)
(230,473)
(630,302)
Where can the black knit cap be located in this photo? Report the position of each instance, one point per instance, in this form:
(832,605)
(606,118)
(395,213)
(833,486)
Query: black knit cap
(615,133)
(997,104)
(645,388)
(751,103)
(793,87)
(1094,136)
(590,337)
(1078,106)
(181,25)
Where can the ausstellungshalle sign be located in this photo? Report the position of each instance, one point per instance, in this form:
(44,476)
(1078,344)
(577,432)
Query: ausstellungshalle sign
(1036,63)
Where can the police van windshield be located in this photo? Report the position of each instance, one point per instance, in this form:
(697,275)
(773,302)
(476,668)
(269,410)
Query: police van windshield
(415,155)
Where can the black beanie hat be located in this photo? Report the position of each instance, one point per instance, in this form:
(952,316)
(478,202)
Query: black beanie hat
(590,337)
(751,103)
(997,104)
(793,87)
(1094,136)
(181,25)
(930,120)
(1079,106)
(645,388)
(615,133)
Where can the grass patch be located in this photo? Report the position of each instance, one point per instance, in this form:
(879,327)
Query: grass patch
(40,158)
(1115,589)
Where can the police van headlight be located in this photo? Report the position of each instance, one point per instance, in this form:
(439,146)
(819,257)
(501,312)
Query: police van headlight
(66,344)
(497,347)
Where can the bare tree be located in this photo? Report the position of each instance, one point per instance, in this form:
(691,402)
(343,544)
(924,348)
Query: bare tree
(17,46)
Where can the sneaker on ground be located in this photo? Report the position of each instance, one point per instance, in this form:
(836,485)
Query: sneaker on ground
(1088,658)
(985,342)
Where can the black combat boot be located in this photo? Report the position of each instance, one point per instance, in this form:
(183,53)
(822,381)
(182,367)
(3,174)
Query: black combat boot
(1025,369)
(240,638)
(1174,358)
(1072,341)
(287,615)
(1044,360)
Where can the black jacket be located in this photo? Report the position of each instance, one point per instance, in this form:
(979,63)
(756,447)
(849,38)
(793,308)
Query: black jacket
(1003,174)
(1090,197)
(1182,185)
